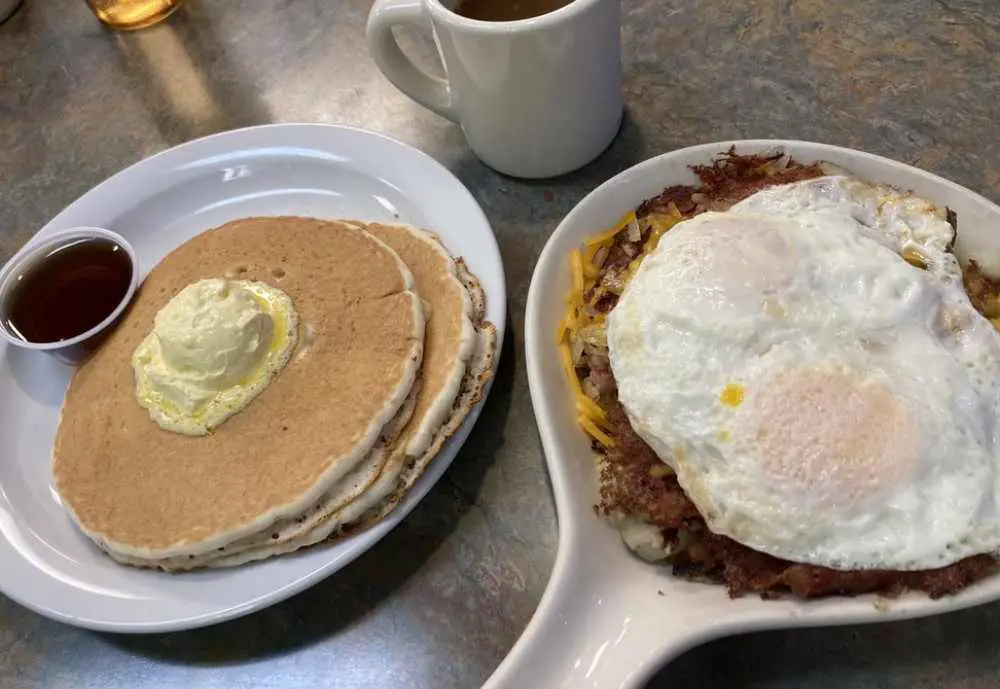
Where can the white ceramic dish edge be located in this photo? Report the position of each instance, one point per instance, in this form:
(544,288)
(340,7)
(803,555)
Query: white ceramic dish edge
(607,619)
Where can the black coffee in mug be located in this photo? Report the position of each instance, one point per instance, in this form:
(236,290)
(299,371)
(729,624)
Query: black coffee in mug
(507,10)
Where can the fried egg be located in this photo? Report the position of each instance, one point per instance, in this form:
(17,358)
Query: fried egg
(812,370)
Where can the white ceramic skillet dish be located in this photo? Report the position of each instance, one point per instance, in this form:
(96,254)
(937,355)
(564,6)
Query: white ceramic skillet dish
(608,620)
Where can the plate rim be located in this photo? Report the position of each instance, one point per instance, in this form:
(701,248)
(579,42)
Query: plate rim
(496,302)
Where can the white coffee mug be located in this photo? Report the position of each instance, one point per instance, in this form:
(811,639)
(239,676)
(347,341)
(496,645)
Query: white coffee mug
(535,97)
(7,8)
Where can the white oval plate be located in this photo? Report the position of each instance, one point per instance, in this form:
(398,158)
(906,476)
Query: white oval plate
(608,620)
(321,171)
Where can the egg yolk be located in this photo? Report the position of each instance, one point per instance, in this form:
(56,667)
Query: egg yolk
(832,431)
(732,395)
(726,252)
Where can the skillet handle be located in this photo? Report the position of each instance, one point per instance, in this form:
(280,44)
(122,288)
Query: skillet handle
(588,632)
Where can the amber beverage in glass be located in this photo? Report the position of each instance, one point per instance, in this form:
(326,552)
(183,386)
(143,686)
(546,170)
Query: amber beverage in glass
(133,14)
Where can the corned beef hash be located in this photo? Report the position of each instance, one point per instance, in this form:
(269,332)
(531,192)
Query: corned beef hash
(791,384)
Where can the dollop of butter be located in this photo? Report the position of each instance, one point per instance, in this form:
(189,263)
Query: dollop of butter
(214,347)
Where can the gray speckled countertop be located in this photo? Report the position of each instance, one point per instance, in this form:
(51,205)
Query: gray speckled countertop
(442,599)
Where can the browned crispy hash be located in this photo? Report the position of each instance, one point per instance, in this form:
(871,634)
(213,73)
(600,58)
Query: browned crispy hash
(983,292)
(633,479)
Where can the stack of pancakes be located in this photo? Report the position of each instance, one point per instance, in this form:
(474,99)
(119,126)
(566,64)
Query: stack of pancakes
(393,352)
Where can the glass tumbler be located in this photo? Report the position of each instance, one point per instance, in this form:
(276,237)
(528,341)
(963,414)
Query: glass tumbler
(133,14)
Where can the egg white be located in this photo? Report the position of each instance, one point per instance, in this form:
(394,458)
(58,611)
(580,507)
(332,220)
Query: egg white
(820,398)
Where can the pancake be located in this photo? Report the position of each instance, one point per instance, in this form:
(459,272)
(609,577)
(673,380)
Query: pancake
(479,370)
(343,493)
(449,334)
(459,349)
(146,493)
(401,470)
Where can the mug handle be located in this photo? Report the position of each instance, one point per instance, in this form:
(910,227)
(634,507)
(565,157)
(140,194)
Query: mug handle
(431,92)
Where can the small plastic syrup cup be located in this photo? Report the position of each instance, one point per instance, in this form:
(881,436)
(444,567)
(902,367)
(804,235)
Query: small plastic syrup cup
(72,350)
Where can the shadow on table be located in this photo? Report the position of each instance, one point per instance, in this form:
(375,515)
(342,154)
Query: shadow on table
(345,597)
(183,74)
(625,150)
(628,148)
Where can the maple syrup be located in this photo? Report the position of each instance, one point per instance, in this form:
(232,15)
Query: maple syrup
(67,291)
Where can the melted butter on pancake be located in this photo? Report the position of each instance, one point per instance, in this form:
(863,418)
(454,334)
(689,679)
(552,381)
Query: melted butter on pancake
(213,348)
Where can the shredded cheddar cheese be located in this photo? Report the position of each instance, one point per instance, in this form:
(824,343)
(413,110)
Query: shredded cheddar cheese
(595,243)
(606,237)
(563,330)
(589,407)
(595,432)
(576,264)
(580,312)
(569,369)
